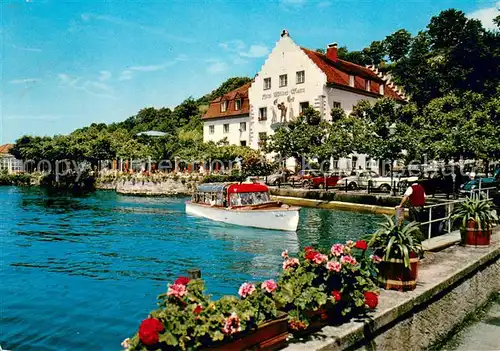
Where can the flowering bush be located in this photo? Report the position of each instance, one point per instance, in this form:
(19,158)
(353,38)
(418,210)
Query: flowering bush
(336,284)
(188,319)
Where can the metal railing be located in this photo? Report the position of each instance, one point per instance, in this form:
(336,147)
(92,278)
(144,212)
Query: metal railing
(449,205)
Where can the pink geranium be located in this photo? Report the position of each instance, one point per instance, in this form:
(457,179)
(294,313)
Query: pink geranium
(291,262)
(284,254)
(177,290)
(350,243)
(347,259)
(334,266)
(319,258)
(269,285)
(337,249)
(232,325)
(376,259)
(246,289)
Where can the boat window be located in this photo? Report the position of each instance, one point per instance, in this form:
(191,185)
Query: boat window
(246,199)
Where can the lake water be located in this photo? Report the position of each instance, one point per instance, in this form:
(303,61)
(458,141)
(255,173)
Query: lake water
(80,273)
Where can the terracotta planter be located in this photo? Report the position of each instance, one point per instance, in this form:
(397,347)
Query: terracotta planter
(267,337)
(393,275)
(475,236)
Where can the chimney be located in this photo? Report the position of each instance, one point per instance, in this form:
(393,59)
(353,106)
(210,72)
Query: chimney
(331,51)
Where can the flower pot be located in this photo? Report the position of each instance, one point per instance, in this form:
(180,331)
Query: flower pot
(269,336)
(393,275)
(475,236)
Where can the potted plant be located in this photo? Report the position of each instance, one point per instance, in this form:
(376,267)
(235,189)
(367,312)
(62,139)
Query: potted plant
(320,287)
(399,248)
(187,319)
(476,219)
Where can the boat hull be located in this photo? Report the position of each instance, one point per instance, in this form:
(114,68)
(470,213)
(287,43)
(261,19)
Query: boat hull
(278,219)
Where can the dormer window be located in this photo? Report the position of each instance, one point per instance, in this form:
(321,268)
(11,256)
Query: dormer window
(223,106)
(351,80)
(237,104)
(367,84)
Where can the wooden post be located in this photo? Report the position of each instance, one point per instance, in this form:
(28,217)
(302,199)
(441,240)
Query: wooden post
(194,273)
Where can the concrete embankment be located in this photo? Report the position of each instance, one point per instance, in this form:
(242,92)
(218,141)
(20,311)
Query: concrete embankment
(452,285)
(147,187)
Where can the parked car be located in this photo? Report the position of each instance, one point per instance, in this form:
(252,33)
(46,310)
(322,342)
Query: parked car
(360,179)
(279,177)
(303,177)
(445,180)
(486,182)
(329,179)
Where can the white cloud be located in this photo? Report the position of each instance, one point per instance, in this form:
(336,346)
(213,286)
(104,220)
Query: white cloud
(160,32)
(95,88)
(217,66)
(256,51)
(23,48)
(125,75)
(324,4)
(486,15)
(104,76)
(25,81)
(240,48)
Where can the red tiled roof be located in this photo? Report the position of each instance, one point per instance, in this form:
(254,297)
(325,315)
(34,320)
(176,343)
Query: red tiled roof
(338,72)
(5,148)
(214,109)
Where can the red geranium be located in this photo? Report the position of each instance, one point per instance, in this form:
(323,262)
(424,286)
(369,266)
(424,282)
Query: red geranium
(371,299)
(182,281)
(361,244)
(310,254)
(148,331)
(198,309)
(336,295)
(308,248)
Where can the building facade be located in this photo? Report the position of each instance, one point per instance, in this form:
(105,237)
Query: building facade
(293,78)
(227,118)
(8,162)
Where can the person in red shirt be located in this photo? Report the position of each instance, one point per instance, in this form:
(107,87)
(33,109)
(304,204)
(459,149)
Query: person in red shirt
(416,196)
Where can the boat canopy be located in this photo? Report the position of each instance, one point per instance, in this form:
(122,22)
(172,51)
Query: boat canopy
(247,188)
(211,188)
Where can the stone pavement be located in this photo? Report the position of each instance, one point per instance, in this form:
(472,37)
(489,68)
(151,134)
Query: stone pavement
(481,336)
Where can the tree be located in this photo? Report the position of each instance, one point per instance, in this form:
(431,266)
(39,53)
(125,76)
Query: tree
(398,44)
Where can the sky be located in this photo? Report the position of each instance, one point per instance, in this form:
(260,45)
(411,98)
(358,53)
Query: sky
(67,64)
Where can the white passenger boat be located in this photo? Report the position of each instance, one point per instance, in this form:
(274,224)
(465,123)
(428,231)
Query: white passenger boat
(242,204)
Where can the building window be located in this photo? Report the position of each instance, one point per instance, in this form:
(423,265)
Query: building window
(335,163)
(354,162)
(337,104)
(351,80)
(267,83)
(368,163)
(367,85)
(301,77)
(226,128)
(211,129)
(283,80)
(381,89)
(243,143)
(243,126)
(237,105)
(303,106)
(262,113)
(262,138)
(223,106)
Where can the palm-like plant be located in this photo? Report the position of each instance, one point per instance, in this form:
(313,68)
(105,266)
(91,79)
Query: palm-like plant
(480,211)
(397,240)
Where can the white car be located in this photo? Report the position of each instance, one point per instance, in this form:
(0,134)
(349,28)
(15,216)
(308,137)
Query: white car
(360,179)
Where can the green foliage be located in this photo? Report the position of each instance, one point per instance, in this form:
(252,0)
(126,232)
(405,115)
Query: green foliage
(476,209)
(396,240)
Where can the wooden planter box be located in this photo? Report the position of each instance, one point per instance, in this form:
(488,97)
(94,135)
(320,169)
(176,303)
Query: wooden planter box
(269,336)
(393,275)
(475,236)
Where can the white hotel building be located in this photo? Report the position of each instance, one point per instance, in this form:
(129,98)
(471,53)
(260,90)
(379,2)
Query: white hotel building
(291,79)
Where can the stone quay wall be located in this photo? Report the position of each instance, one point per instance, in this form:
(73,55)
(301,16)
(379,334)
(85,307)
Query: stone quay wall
(144,186)
(452,285)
